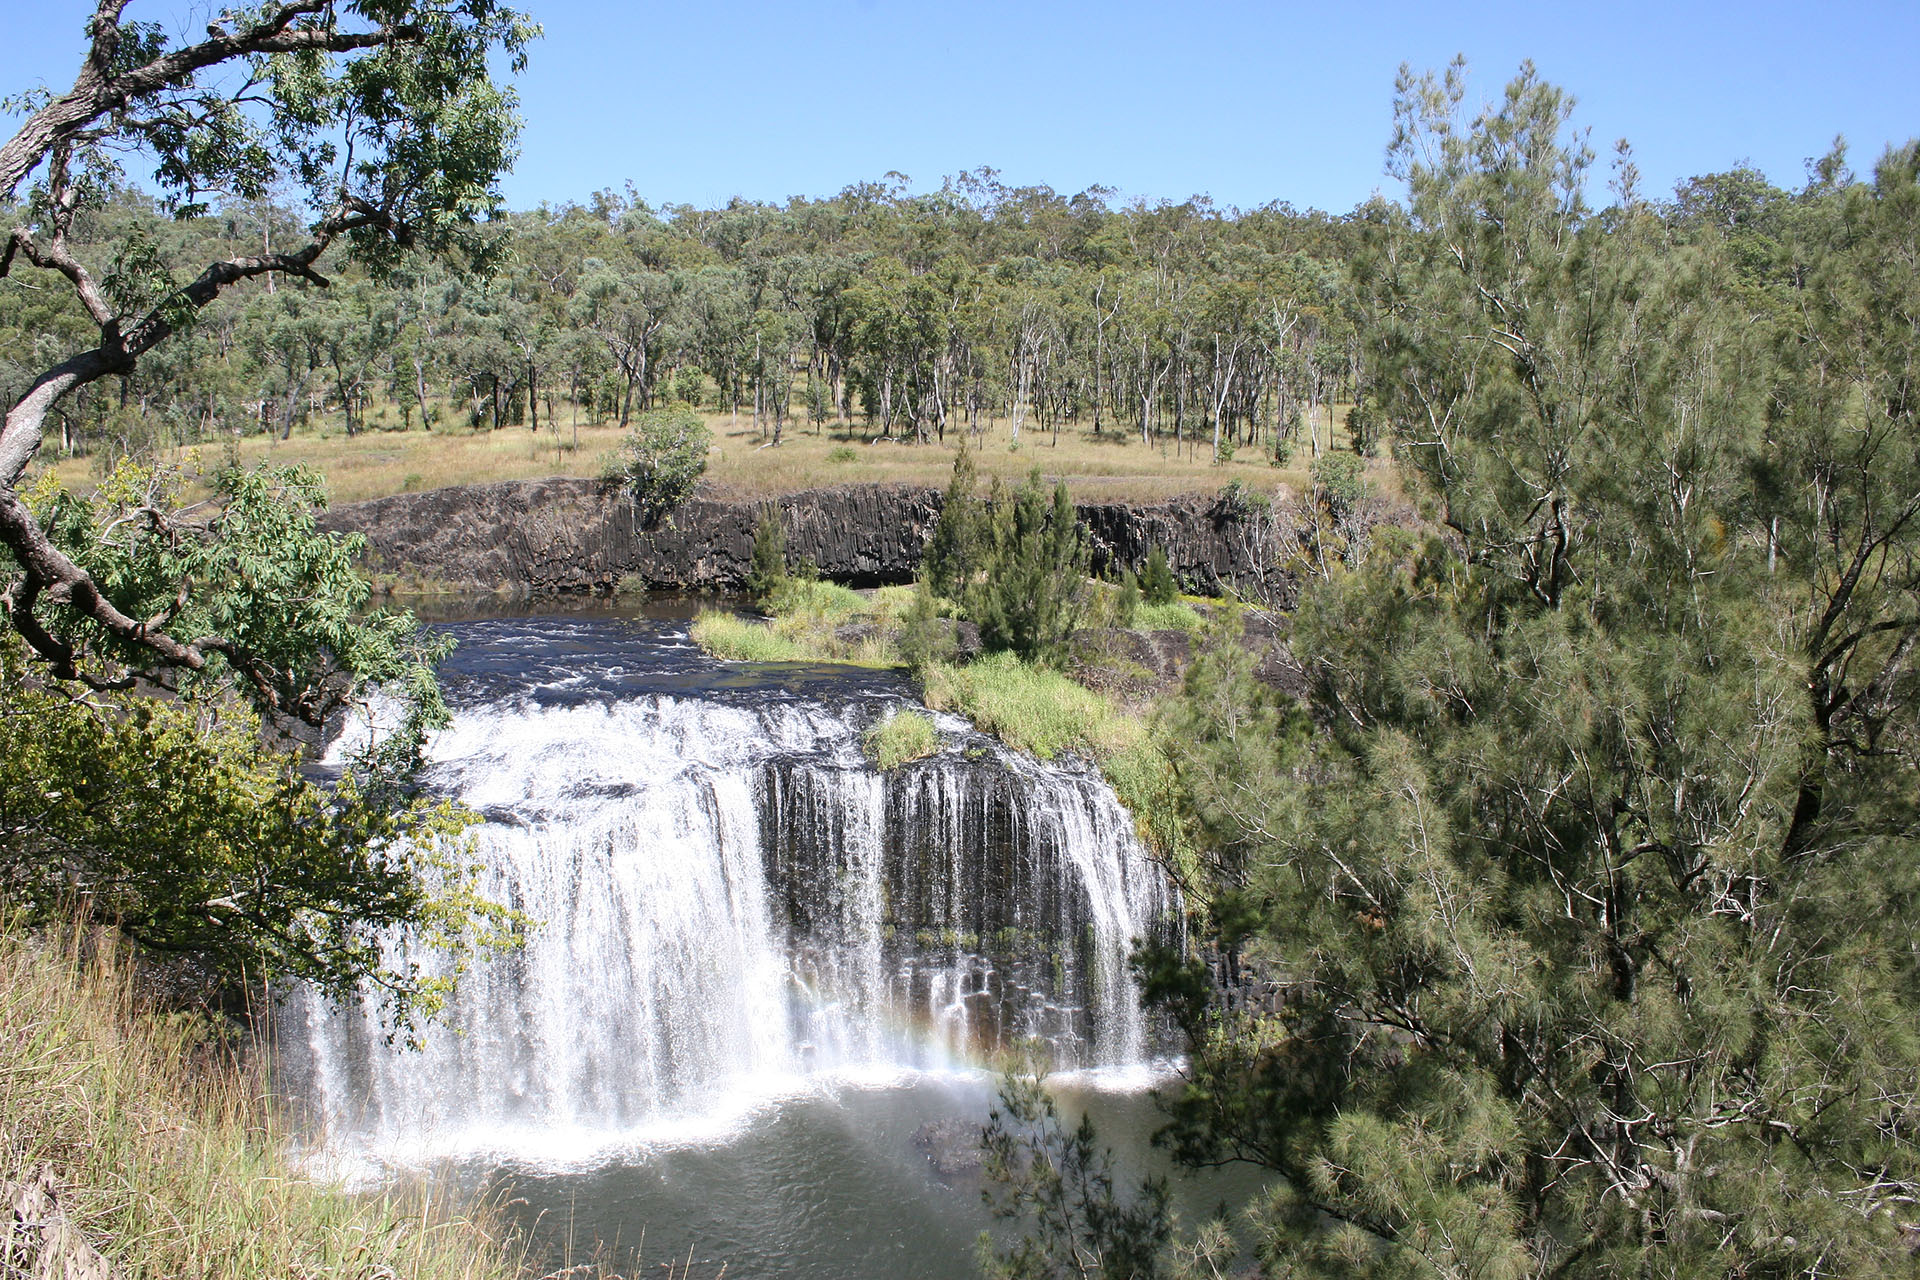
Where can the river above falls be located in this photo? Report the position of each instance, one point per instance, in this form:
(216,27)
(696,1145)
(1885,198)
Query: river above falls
(762,968)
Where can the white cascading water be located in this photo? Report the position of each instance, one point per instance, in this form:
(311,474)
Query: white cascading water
(733,904)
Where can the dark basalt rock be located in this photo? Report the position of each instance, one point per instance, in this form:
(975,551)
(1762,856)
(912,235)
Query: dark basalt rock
(572,535)
(535,536)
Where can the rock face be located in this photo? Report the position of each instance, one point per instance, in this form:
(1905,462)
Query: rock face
(1215,550)
(584,535)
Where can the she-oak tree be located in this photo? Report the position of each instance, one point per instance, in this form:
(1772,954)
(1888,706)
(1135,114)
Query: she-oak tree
(385,115)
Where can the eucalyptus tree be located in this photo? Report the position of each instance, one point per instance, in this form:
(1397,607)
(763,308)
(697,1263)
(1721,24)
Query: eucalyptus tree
(628,310)
(385,115)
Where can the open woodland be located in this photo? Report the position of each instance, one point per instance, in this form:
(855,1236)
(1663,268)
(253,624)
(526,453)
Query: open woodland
(1139,350)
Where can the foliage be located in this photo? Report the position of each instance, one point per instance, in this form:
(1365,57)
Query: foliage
(900,737)
(170,1157)
(926,638)
(172,816)
(663,457)
(956,545)
(1594,896)
(1238,500)
(1158,585)
(167,813)
(175,821)
(1364,426)
(285,597)
(1035,569)
(1337,484)
(1124,599)
(768,570)
(1059,1183)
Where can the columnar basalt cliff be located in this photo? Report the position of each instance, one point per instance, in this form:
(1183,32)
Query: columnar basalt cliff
(584,535)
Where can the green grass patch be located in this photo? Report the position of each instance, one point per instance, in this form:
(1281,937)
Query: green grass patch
(1172,616)
(1030,708)
(799,637)
(1042,712)
(736,639)
(810,597)
(901,737)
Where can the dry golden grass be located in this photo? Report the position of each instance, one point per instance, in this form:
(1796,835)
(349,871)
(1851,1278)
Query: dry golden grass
(168,1155)
(1112,467)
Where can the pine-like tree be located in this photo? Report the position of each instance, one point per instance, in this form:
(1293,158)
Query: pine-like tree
(768,572)
(1157,581)
(954,548)
(1028,599)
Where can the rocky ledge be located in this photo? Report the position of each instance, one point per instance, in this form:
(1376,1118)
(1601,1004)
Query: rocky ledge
(572,535)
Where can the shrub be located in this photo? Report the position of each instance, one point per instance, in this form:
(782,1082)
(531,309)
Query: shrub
(1238,500)
(689,385)
(768,571)
(843,453)
(1028,600)
(1337,483)
(953,549)
(662,458)
(925,637)
(1125,599)
(1157,582)
(900,737)
(1364,423)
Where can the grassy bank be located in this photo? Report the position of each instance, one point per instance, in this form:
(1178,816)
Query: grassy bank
(811,622)
(167,1157)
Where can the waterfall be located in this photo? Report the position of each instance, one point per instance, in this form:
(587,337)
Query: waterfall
(733,904)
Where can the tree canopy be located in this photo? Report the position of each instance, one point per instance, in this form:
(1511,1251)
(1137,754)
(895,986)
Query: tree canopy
(170,814)
(1593,892)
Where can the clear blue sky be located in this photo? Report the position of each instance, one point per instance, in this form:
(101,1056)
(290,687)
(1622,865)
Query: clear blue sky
(1246,102)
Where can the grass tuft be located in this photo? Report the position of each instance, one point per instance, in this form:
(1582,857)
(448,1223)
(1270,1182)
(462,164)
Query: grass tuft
(901,737)
(1042,712)
(1172,616)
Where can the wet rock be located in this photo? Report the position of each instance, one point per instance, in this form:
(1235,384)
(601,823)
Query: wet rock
(950,1146)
